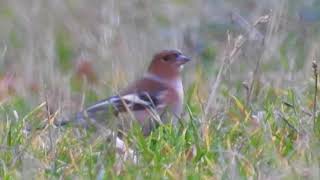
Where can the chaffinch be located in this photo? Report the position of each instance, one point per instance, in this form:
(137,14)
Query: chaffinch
(159,90)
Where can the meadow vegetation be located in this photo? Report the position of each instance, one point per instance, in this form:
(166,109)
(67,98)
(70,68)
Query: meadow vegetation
(251,91)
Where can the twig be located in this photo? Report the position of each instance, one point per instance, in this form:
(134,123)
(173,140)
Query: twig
(254,79)
(228,59)
(246,87)
(49,122)
(315,73)
(263,19)
(3,53)
(301,109)
(288,123)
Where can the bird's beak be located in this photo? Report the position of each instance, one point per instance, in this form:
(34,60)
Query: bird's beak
(181,59)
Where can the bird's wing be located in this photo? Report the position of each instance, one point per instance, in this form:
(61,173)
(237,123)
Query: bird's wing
(133,102)
(144,94)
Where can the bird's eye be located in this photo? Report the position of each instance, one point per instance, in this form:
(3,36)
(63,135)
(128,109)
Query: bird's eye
(166,58)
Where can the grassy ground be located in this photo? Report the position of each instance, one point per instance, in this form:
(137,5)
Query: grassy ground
(251,108)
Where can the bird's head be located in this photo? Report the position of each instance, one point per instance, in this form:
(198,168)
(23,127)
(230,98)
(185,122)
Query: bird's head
(168,64)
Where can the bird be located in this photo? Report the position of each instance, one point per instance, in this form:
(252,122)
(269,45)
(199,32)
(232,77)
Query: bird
(159,91)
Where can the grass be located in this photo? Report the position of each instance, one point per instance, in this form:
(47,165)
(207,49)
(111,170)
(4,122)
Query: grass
(278,141)
(251,107)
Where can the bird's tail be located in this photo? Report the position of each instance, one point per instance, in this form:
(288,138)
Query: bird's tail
(77,119)
(88,116)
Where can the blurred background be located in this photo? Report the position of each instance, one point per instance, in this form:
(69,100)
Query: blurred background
(73,52)
(251,78)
